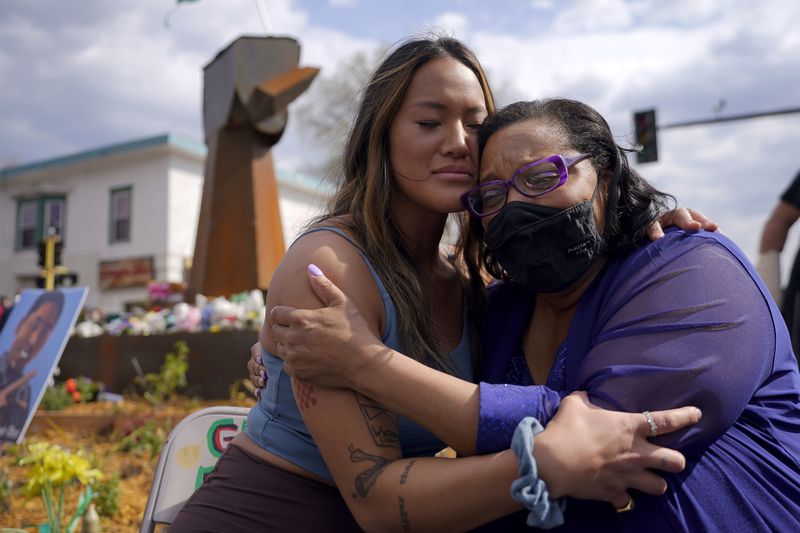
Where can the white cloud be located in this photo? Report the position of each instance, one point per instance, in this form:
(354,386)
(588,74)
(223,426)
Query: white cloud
(542,4)
(453,23)
(594,16)
(98,72)
(680,58)
(114,75)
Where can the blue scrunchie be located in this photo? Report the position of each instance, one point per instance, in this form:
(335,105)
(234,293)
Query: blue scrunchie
(529,490)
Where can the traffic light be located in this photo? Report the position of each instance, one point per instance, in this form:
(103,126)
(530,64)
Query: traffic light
(42,253)
(53,272)
(59,247)
(645,124)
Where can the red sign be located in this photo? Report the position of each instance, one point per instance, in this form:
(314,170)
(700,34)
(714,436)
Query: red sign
(132,272)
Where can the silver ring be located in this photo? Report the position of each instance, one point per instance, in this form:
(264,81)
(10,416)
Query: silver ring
(653,425)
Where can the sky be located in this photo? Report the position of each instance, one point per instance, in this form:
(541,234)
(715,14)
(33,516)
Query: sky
(76,75)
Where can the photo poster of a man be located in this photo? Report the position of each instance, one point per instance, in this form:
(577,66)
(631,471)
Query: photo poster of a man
(31,344)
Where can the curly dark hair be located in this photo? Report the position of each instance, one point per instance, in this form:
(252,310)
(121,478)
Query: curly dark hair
(53,297)
(632,205)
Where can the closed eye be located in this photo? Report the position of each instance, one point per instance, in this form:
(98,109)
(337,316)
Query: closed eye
(428,124)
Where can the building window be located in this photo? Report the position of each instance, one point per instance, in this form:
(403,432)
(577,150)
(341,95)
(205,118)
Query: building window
(35,216)
(54,215)
(120,226)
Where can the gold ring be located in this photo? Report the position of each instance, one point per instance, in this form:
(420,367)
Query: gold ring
(627,507)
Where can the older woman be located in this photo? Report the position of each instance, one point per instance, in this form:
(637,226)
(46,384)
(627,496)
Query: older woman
(324,459)
(590,305)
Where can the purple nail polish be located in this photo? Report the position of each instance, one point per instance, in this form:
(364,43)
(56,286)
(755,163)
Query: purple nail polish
(314,270)
(258,360)
(257,393)
(263,375)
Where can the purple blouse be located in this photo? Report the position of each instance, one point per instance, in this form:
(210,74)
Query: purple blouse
(684,320)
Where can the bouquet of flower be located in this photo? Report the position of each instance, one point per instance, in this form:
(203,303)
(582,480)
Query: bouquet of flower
(51,469)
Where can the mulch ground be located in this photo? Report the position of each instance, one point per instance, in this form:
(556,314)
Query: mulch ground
(135,469)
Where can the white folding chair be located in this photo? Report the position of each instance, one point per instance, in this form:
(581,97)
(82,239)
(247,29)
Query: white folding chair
(191,450)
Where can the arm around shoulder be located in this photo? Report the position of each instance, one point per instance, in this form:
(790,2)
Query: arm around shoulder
(683,324)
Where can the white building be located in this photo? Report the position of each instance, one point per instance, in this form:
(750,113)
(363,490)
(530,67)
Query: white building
(127,214)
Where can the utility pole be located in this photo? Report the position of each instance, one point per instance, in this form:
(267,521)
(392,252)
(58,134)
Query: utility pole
(645,126)
(50,259)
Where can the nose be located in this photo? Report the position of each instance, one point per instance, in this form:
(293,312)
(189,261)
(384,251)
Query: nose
(456,144)
(35,335)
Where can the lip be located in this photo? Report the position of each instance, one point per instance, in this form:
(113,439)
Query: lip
(455,173)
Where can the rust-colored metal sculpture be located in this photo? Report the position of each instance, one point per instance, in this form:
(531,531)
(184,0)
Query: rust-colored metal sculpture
(247,89)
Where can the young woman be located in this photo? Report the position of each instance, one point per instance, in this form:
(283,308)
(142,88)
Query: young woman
(321,459)
(592,305)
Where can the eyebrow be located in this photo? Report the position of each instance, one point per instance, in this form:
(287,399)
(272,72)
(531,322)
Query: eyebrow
(430,104)
(491,176)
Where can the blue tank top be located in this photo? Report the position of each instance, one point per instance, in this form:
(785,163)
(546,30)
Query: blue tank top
(275,422)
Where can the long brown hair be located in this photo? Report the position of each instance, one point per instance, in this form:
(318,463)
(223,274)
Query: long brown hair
(362,202)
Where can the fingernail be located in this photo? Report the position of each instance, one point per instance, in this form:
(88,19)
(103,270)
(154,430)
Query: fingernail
(258,360)
(257,393)
(261,383)
(699,413)
(314,270)
(263,375)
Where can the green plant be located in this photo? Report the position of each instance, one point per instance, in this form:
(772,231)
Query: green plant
(56,398)
(83,389)
(62,395)
(5,491)
(106,497)
(160,386)
(148,438)
(50,469)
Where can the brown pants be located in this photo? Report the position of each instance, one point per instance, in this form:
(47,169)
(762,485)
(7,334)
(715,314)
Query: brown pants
(244,493)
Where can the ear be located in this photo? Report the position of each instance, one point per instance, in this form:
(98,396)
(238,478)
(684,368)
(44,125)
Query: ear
(604,183)
(606,179)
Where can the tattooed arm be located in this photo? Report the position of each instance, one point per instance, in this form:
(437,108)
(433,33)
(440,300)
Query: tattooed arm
(388,493)
(358,438)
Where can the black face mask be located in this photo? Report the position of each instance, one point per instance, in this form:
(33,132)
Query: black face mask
(545,249)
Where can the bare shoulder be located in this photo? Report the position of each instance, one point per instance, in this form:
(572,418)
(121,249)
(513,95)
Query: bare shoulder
(341,262)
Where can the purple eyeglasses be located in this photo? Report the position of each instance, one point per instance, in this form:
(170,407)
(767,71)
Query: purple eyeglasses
(533,180)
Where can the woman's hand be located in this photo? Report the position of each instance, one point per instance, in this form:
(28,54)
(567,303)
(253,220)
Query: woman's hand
(328,346)
(684,218)
(256,369)
(590,453)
